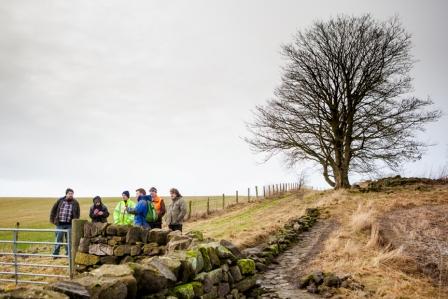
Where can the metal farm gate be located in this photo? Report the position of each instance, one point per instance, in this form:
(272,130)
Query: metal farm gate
(13,268)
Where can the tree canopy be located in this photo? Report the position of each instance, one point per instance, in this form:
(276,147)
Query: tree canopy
(345,100)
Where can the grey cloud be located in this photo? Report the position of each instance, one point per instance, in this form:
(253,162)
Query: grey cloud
(107,95)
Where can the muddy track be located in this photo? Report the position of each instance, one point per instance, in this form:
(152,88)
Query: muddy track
(281,277)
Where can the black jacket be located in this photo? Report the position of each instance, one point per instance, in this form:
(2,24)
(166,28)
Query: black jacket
(99,218)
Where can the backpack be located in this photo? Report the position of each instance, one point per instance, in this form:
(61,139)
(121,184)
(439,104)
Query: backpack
(151,215)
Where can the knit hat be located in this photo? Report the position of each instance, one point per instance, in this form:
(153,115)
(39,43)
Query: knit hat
(96,198)
(126,193)
(153,189)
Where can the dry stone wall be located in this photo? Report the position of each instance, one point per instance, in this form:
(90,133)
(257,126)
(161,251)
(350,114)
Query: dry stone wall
(129,262)
(104,243)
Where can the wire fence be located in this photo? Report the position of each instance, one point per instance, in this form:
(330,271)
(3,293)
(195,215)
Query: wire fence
(202,206)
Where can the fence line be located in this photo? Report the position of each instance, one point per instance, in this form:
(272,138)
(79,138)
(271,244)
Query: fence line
(216,203)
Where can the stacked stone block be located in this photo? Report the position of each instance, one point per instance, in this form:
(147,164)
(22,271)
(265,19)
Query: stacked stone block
(104,243)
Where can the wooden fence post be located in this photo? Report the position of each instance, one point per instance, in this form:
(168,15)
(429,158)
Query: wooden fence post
(208,205)
(236,196)
(189,209)
(248,194)
(264,191)
(223,201)
(256,192)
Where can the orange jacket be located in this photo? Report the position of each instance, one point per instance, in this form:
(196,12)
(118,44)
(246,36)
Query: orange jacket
(159,204)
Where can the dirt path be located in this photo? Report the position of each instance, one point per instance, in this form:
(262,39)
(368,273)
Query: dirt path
(280,280)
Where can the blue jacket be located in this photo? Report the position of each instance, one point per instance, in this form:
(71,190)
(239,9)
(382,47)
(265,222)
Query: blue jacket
(140,210)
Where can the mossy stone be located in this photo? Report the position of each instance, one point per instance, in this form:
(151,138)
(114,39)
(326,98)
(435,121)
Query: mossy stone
(185,291)
(214,258)
(274,249)
(206,257)
(305,281)
(194,256)
(86,259)
(198,288)
(247,266)
(195,234)
(224,253)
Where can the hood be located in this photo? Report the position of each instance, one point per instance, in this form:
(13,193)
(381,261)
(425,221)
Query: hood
(97,198)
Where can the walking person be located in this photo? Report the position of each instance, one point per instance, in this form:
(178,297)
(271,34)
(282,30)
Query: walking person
(159,205)
(98,211)
(141,208)
(62,213)
(176,210)
(121,215)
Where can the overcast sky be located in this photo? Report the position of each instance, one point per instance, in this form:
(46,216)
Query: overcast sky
(104,96)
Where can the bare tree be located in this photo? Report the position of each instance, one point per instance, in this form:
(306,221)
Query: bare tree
(344,100)
(301,177)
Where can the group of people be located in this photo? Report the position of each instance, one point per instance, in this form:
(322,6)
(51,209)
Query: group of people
(147,212)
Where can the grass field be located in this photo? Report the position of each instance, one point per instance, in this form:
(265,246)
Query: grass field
(250,223)
(34,212)
(353,247)
(239,223)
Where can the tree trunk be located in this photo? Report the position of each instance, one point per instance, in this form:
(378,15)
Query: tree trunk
(327,176)
(341,178)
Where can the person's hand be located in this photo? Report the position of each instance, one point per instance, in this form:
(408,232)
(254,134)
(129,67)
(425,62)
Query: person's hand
(100,213)
(95,212)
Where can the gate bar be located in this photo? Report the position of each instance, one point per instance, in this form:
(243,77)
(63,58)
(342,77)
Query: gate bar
(33,254)
(33,265)
(32,242)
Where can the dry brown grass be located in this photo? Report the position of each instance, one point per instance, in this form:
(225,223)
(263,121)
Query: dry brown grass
(376,240)
(362,219)
(359,246)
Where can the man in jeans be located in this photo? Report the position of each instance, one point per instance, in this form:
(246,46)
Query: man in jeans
(63,212)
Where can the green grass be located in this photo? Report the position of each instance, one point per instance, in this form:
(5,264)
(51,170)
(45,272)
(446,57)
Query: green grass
(246,224)
(34,213)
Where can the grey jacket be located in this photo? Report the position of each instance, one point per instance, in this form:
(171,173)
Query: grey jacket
(176,211)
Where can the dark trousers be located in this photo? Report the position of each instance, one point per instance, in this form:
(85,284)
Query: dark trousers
(60,236)
(174,227)
(155,225)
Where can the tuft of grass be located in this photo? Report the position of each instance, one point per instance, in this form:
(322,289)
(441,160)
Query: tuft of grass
(376,240)
(362,220)
(388,256)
